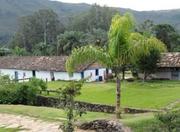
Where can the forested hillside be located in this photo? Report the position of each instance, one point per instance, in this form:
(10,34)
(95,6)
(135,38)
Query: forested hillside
(12,10)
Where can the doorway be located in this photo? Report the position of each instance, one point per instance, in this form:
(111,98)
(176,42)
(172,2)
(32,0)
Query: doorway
(34,73)
(16,75)
(52,76)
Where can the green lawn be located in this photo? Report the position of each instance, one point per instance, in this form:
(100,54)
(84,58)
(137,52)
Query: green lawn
(3,129)
(49,114)
(154,94)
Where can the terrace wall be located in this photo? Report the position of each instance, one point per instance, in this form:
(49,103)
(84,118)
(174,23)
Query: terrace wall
(56,103)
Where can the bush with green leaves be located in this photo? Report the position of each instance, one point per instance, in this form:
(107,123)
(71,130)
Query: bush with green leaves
(68,94)
(12,92)
(166,122)
(26,94)
(38,84)
(8,92)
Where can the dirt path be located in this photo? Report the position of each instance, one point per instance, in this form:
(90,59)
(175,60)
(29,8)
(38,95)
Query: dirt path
(171,105)
(29,124)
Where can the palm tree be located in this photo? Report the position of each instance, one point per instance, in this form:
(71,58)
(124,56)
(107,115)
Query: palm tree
(120,52)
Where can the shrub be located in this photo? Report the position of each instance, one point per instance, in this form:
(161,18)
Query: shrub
(8,93)
(68,94)
(19,93)
(170,120)
(38,84)
(26,94)
(166,122)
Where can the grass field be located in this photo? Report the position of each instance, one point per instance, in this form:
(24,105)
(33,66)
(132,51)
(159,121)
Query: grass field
(154,94)
(3,129)
(49,114)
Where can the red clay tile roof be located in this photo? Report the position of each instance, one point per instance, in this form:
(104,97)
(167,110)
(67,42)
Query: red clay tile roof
(171,59)
(43,63)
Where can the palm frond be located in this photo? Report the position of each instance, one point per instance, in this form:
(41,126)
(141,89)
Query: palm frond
(119,33)
(87,54)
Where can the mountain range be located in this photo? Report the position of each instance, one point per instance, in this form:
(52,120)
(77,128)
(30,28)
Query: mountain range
(12,10)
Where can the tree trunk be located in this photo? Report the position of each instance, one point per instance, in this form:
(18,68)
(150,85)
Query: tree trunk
(144,77)
(123,73)
(118,97)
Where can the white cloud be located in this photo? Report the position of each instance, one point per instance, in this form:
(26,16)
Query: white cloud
(134,4)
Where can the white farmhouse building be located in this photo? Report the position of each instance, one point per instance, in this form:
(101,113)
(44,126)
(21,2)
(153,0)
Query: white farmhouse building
(168,67)
(48,68)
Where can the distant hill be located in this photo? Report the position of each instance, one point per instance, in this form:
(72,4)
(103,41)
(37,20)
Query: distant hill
(11,10)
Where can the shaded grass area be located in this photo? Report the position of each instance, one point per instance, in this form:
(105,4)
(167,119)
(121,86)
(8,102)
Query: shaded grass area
(49,114)
(152,94)
(3,129)
(135,122)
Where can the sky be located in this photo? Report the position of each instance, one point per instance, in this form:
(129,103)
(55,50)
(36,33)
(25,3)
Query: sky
(140,5)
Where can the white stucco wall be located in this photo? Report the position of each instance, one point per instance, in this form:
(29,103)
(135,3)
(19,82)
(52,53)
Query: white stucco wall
(46,75)
(162,75)
(92,73)
(165,75)
(43,75)
(65,76)
(11,73)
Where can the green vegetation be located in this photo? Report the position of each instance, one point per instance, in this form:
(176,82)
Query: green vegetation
(153,94)
(49,114)
(12,92)
(4,129)
(168,35)
(11,10)
(137,122)
(124,48)
(118,55)
(68,94)
(147,53)
(68,17)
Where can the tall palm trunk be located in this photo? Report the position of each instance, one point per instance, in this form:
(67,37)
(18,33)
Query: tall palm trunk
(118,97)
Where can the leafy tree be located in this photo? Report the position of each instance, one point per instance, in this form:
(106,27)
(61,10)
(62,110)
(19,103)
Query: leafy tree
(17,51)
(146,28)
(43,49)
(148,54)
(69,40)
(42,26)
(4,51)
(167,34)
(147,64)
(177,48)
(98,37)
(97,17)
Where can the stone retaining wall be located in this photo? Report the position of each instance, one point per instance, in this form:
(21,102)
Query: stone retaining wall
(56,103)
